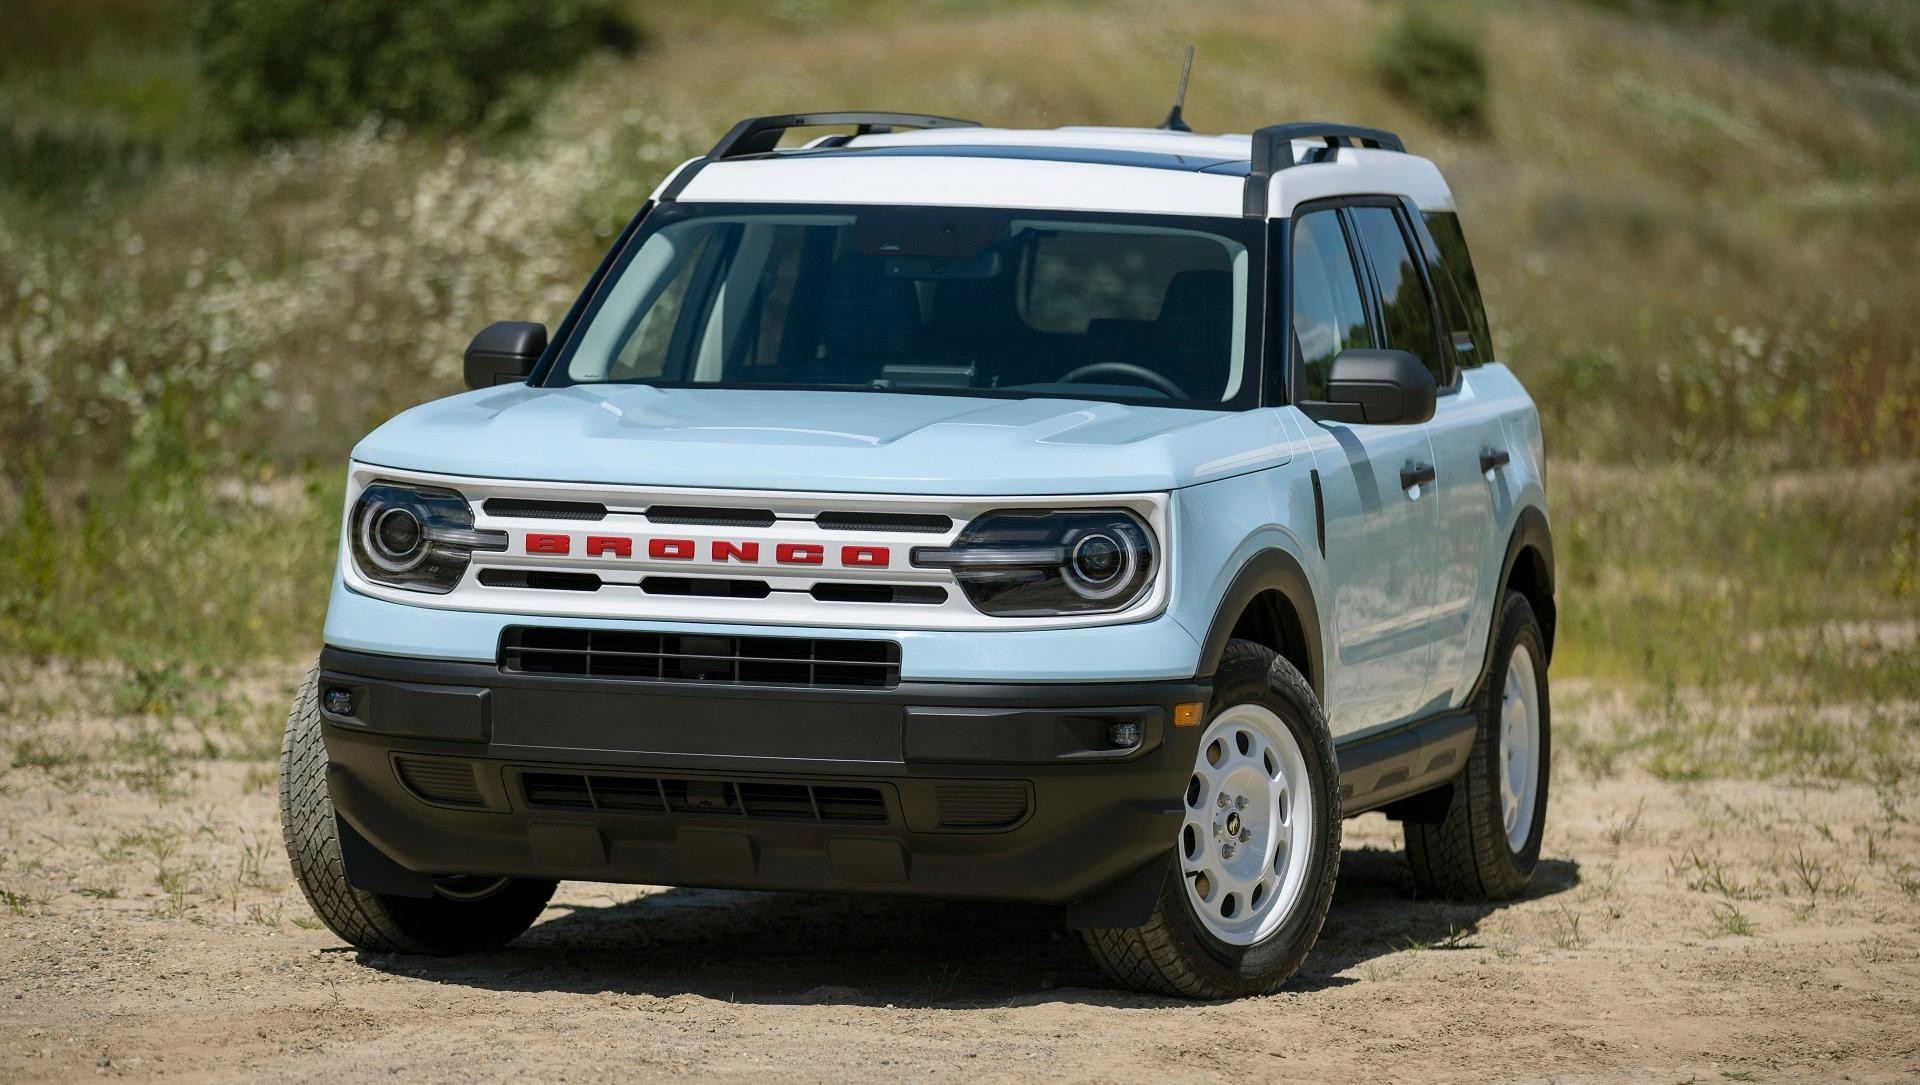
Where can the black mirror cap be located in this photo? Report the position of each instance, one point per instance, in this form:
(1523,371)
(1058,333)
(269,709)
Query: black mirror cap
(1376,388)
(504,353)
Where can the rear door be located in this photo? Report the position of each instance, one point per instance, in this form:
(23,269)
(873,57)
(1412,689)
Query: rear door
(1471,453)
(1379,534)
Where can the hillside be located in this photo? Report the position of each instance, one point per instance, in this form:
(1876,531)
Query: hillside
(1700,245)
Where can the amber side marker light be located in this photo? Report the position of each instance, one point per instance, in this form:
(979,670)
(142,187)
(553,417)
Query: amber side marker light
(1187,715)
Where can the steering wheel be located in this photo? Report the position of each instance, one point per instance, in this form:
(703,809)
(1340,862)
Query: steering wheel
(1138,373)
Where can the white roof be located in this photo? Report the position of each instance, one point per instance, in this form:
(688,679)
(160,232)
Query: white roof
(1168,182)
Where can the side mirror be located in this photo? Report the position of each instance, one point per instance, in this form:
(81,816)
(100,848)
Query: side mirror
(1376,388)
(504,353)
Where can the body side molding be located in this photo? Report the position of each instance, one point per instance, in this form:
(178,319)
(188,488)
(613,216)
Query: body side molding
(1403,760)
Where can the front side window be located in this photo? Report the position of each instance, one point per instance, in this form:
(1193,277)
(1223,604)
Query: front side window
(1127,308)
(1328,316)
(1405,310)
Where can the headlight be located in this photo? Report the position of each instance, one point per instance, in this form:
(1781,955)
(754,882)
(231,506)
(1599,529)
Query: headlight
(1016,563)
(416,537)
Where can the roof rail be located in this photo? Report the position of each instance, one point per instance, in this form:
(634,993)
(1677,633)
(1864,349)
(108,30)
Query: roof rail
(1273,152)
(760,135)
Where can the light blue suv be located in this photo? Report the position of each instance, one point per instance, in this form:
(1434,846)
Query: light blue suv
(1092,516)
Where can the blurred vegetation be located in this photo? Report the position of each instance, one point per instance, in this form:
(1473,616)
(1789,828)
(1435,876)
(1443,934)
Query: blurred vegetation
(280,68)
(1698,224)
(1873,34)
(1435,64)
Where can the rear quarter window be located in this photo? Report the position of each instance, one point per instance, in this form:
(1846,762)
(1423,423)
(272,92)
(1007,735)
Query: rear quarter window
(1461,307)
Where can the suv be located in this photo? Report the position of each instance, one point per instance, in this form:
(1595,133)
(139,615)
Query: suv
(1093,517)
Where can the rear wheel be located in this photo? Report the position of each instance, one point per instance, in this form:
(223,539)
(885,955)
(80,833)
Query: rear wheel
(1487,844)
(1259,849)
(465,913)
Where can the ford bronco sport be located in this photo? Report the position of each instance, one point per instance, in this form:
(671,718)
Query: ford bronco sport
(1093,517)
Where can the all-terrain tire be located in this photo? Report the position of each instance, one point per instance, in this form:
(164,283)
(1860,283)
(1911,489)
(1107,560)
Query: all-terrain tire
(378,922)
(1467,855)
(1172,953)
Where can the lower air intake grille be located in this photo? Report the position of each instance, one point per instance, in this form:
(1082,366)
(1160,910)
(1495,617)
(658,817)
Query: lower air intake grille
(995,805)
(684,657)
(440,780)
(757,800)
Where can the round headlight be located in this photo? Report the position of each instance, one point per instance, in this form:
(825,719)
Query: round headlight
(1099,565)
(394,538)
(399,533)
(1030,563)
(420,538)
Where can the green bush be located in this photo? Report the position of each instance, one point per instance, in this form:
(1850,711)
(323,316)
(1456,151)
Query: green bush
(286,68)
(1438,67)
(1877,34)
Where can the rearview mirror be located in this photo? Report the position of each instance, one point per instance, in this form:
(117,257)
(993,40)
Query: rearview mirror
(504,353)
(1375,388)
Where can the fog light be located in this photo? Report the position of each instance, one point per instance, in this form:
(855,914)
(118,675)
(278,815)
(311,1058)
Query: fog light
(1123,736)
(339,701)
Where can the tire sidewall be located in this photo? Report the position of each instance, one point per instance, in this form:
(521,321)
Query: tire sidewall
(1260,966)
(1517,627)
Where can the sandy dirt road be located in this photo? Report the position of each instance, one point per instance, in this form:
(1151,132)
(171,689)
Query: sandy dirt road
(1702,932)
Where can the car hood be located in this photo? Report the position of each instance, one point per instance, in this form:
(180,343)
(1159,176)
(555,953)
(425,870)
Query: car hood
(825,441)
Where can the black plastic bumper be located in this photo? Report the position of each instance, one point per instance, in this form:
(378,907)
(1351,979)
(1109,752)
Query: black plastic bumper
(939,789)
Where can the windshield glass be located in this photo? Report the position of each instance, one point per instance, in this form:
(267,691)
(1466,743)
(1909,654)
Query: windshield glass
(966,301)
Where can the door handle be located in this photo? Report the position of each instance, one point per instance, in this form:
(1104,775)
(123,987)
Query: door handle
(1494,458)
(1416,474)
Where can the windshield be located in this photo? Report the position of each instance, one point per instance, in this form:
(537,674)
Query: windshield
(959,301)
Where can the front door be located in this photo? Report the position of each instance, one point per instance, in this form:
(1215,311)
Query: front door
(1380,534)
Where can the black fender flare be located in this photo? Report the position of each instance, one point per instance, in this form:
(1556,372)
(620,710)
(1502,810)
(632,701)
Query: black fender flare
(1530,532)
(1268,570)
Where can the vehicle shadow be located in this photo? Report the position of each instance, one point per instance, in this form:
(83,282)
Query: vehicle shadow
(797,949)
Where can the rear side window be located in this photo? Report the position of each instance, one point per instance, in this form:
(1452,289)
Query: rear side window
(1451,270)
(1328,316)
(1405,310)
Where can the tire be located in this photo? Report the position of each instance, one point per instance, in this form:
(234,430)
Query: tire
(1474,852)
(463,914)
(1184,951)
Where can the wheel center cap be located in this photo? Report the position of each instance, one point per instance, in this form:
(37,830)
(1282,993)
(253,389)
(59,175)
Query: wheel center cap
(1233,824)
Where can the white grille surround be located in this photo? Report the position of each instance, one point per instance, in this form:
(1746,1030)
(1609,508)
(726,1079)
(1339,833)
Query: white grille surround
(790,598)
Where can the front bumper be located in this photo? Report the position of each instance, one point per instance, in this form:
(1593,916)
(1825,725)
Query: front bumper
(1000,792)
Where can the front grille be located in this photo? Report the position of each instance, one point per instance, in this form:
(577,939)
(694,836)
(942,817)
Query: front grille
(990,805)
(756,800)
(924,594)
(704,516)
(927,523)
(543,581)
(709,586)
(686,657)
(550,510)
(437,779)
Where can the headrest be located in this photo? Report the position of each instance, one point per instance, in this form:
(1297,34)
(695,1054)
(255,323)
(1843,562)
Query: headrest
(866,314)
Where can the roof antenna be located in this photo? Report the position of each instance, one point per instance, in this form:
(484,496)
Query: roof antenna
(1175,122)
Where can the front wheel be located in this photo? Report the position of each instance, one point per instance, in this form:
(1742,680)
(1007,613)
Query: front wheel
(464,913)
(1486,845)
(1259,848)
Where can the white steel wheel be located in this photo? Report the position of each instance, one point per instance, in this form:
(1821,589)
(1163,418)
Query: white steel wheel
(1246,842)
(1252,876)
(1519,747)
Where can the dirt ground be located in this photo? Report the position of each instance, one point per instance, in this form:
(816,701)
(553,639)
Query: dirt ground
(1702,932)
